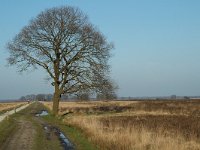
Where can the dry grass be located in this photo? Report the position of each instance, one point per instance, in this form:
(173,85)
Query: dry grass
(8,106)
(124,136)
(148,125)
(92,106)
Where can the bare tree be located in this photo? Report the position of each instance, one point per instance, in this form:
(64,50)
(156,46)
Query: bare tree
(64,43)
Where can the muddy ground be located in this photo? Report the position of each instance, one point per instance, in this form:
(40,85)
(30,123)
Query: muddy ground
(30,133)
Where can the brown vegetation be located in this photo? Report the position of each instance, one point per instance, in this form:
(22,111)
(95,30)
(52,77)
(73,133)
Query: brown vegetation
(92,106)
(137,124)
(8,106)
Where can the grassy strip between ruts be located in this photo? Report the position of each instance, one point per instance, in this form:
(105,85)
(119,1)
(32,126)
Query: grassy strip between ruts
(75,135)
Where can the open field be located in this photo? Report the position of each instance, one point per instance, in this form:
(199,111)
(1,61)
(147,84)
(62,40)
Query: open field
(92,107)
(11,105)
(133,125)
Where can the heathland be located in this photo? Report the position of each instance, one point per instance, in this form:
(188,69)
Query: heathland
(105,125)
(129,125)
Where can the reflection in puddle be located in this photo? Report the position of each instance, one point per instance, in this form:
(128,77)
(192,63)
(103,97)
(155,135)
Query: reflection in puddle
(42,113)
(52,130)
(67,145)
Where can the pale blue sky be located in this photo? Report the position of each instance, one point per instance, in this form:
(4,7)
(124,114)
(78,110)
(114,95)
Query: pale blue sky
(157,44)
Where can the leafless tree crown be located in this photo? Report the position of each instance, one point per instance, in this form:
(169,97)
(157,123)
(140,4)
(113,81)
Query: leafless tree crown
(63,42)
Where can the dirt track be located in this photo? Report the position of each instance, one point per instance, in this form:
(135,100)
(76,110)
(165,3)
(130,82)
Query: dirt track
(29,133)
(23,137)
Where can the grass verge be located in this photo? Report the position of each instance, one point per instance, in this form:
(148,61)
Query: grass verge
(75,135)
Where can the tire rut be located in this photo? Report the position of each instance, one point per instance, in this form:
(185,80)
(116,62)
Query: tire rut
(23,137)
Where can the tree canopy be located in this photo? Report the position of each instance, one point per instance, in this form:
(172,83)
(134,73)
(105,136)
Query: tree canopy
(63,42)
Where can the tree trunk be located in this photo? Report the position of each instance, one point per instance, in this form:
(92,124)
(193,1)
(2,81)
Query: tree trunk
(56,100)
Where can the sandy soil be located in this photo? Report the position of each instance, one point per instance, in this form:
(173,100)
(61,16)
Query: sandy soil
(23,137)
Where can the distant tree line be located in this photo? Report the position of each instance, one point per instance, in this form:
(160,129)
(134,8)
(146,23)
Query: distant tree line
(39,97)
(81,96)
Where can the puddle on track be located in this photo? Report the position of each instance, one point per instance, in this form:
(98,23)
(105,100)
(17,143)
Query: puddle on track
(42,113)
(66,144)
